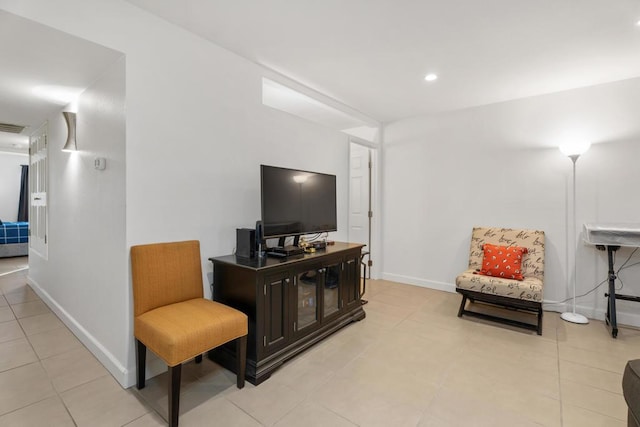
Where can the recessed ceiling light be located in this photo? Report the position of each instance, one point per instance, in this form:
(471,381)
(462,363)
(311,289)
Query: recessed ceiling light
(431,77)
(638,23)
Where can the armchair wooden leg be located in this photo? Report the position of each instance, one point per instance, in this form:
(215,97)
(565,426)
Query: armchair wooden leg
(141,359)
(464,301)
(175,373)
(241,360)
(540,321)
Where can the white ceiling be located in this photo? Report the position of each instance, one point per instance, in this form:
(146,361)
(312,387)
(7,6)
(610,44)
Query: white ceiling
(373,54)
(33,55)
(368,54)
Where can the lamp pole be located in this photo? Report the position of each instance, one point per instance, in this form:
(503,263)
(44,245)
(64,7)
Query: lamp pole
(572,316)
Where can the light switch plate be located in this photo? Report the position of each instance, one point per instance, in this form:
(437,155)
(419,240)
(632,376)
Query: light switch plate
(100,163)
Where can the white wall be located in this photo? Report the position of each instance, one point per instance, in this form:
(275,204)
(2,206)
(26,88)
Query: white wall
(10,173)
(196,134)
(83,278)
(499,165)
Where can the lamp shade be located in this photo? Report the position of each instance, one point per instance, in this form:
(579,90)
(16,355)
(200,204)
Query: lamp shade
(574,148)
(70,118)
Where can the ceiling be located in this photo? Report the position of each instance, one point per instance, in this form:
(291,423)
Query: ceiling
(41,70)
(373,54)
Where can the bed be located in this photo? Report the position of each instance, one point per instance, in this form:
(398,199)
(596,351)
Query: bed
(14,239)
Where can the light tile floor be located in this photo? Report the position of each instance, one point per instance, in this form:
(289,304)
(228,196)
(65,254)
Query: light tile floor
(411,362)
(8,265)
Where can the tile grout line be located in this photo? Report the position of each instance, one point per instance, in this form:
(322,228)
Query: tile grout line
(39,361)
(251,416)
(32,403)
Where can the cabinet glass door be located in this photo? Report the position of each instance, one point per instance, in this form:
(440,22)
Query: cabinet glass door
(332,289)
(307,298)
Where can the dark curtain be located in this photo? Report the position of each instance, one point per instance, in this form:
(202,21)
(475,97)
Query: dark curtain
(23,207)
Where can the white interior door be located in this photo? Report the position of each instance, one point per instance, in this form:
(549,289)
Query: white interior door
(360,195)
(38,188)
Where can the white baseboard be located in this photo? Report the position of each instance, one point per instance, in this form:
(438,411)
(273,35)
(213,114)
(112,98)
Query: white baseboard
(13,271)
(624,318)
(431,284)
(630,319)
(123,375)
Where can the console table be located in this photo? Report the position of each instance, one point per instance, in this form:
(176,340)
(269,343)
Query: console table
(611,237)
(292,303)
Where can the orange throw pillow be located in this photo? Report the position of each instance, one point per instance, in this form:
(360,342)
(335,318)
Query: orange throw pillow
(503,261)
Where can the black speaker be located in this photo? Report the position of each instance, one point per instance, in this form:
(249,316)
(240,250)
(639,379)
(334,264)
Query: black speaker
(246,242)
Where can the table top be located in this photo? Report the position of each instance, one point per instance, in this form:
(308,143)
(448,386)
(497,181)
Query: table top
(612,234)
(258,263)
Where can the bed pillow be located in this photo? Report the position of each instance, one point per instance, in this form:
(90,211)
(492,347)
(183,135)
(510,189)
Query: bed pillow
(503,261)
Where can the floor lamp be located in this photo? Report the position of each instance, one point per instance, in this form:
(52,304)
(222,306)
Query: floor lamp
(573,151)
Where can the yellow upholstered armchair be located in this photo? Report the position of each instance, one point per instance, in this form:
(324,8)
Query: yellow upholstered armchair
(172,318)
(523,293)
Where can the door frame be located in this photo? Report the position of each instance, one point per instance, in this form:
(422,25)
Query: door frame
(375,244)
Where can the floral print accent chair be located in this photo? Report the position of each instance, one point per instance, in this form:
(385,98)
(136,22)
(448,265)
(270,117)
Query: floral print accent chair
(481,282)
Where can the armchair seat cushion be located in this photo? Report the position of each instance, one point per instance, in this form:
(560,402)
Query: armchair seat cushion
(529,289)
(180,331)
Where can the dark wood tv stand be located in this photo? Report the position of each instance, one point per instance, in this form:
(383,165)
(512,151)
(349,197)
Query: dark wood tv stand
(291,303)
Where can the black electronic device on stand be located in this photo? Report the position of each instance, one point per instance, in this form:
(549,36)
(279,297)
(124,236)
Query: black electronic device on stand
(284,251)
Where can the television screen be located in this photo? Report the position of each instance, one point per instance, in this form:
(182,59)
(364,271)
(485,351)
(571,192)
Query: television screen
(296,202)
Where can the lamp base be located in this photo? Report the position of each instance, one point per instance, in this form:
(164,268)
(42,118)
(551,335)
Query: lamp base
(574,317)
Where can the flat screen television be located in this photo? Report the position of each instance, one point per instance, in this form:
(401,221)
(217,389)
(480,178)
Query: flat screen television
(296,202)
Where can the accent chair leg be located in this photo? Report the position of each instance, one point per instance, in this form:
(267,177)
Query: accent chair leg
(464,301)
(141,359)
(199,358)
(241,360)
(540,320)
(175,373)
